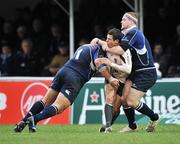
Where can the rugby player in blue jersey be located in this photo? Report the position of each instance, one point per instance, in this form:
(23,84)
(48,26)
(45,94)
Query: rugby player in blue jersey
(143,75)
(65,86)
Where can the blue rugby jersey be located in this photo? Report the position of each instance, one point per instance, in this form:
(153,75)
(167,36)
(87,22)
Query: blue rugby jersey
(140,49)
(83,60)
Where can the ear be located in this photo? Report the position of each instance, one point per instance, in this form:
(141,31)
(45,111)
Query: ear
(117,41)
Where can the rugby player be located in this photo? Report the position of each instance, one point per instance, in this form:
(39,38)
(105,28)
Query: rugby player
(143,75)
(113,101)
(65,86)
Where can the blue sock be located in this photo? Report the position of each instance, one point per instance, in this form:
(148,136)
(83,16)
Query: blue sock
(144,109)
(46,113)
(130,114)
(35,109)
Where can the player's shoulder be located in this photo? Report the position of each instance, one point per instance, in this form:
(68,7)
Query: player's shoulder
(135,31)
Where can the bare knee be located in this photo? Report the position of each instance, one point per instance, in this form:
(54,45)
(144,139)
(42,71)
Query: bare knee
(49,97)
(109,100)
(134,97)
(61,103)
(132,103)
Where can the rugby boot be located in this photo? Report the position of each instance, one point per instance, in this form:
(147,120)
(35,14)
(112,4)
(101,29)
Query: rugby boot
(108,130)
(31,124)
(102,128)
(20,126)
(152,124)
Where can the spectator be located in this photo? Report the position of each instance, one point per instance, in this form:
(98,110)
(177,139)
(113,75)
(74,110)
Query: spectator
(56,38)
(26,61)
(98,32)
(176,47)
(57,61)
(8,35)
(83,41)
(6,61)
(173,71)
(161,59)
(39,37)
(21,33)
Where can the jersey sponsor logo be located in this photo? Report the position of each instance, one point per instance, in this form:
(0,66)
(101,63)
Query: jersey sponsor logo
(134,85)
(125,39)
(33,93)
(67,91)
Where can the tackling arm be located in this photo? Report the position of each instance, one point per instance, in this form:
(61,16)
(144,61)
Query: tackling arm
(124,67)
(102,43)
(118,50)
(105,73)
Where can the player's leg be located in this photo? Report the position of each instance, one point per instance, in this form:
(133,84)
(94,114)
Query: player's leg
(47,100)
(110,96)
(115,113)
(108,109)
(129,112)
(142,81)
(69,83)
(116,110)
(38,106)
(120,99)
(133,100)
(60,104)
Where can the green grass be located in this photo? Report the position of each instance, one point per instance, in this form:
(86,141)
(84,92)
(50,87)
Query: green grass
(88,134)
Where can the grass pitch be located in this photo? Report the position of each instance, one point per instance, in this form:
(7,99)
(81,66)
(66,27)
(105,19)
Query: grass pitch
(88,134)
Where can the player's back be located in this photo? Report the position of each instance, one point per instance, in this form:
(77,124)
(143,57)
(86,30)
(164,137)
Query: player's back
(83,60)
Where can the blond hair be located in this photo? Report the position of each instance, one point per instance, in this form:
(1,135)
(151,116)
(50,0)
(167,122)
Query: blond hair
(132,16)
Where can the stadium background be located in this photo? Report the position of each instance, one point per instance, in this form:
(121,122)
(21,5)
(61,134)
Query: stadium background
(93,18)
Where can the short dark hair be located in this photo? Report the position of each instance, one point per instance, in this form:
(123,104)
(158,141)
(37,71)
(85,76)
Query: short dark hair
(116,33)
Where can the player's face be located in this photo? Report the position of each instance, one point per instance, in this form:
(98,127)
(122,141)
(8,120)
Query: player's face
(125,22)
(110,41)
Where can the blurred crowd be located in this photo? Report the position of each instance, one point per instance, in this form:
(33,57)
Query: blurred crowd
(35,42)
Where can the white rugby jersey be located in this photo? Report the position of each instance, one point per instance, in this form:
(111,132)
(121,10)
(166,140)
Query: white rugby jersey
(121,66)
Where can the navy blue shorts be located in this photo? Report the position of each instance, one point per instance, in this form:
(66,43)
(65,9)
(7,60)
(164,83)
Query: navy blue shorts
(143,80)
(68,82)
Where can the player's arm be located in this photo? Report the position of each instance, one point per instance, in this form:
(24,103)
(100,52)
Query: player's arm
(125,67)
(100,42)
(117,50)
(103,69)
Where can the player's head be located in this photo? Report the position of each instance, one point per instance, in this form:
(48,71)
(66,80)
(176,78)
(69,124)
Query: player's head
(113,37)
(129,19)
